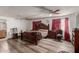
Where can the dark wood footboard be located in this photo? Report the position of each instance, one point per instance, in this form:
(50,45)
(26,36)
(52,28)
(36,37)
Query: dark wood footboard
(31,37)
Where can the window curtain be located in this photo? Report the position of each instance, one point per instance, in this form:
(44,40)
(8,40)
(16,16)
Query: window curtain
(35,25)
(66,33)
(56,23)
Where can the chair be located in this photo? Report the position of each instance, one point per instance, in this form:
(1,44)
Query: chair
(59,35)
(14,33)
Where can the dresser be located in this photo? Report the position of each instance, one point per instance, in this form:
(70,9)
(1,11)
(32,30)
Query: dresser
(2,34)
(76,40)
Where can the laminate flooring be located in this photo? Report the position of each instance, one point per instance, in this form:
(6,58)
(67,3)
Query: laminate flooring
(44,46)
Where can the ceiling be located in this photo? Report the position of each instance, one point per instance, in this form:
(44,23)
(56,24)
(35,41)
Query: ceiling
(32,12)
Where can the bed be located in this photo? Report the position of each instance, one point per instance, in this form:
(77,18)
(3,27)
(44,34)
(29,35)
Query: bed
(34,36)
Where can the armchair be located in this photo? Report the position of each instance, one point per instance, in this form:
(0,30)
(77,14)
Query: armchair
(59,35)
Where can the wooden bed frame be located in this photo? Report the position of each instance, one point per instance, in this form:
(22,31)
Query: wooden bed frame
(33,36)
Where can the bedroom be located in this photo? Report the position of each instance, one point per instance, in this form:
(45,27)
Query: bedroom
(49,29)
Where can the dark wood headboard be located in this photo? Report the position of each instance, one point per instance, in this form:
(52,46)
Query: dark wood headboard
(43,26)
(39,25)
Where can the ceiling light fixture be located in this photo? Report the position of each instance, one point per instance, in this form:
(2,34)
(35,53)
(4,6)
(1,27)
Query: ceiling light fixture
(50,15)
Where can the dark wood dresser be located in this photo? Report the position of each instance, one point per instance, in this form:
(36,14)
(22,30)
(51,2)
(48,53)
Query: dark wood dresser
(76,40)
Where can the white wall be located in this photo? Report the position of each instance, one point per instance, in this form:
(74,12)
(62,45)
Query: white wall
(72,21)
(77,21)
(15,23)
(27,24)
(19,24)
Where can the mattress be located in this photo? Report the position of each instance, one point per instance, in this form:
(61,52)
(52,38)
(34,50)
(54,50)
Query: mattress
(43,32)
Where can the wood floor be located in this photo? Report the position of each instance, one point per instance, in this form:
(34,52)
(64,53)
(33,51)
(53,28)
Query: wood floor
(44,46)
